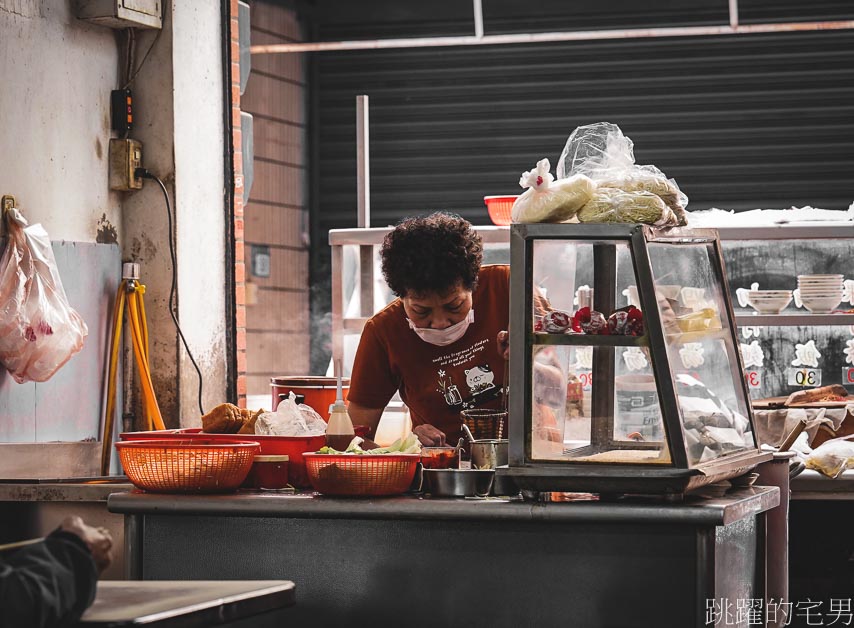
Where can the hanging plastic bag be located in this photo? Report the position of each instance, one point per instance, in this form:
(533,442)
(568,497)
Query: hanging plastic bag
(39,331)
(601,152)
(547,200)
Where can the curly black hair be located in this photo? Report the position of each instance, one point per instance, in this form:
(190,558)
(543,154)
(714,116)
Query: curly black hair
(431,254)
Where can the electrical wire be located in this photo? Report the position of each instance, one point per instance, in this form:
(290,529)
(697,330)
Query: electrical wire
(144,58)
(146,174)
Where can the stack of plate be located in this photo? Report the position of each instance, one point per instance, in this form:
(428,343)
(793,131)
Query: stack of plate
(820,294)
(769,301)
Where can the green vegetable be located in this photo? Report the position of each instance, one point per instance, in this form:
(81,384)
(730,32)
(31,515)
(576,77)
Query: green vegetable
(409,445)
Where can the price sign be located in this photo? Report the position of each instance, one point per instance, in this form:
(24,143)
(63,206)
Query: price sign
(847,376)
(586,378)
(754,379)
(805,377)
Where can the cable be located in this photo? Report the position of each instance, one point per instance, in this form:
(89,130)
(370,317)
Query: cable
(144,58)
(142,172)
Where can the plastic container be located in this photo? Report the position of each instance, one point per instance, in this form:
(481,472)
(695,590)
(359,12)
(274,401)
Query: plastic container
(292,446)
(499,208)
(268,473)
(319,392)
(440,458)
(187,466)
(361,475)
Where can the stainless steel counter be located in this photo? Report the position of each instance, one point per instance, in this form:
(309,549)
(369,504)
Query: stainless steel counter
(735,506)
(812,485)
(492,562)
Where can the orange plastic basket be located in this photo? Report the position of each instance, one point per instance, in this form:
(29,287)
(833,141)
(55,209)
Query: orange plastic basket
(292,446)
(361,475)
(191,466)
(499,208)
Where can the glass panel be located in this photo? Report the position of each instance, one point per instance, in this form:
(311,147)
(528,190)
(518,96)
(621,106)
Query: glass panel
(700,350)
(564,275)
(573,421)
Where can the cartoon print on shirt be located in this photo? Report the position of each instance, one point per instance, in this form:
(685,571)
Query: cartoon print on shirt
(449,390)
(479,379)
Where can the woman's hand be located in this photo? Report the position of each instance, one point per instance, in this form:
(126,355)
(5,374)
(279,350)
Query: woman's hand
(429,435)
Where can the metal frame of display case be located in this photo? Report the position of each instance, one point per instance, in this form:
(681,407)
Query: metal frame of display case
(678,477)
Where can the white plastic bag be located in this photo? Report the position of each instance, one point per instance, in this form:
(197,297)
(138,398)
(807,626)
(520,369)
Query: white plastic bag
(290,419)
(547,200)
(601,152)
(39,331)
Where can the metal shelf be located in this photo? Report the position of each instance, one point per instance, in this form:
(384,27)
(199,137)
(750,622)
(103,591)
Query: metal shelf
(793,320)
(790,231)
(588,340)
(697,336)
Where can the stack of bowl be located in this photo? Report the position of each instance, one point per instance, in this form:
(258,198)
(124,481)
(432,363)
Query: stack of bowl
(820,294)
(769,301)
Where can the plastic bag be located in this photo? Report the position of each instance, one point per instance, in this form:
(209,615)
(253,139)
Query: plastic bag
(613,205)
(832,457)
(547,200)
(290,419)
(601,152)
(39,331)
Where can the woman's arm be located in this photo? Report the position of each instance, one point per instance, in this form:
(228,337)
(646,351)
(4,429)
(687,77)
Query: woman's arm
(362,415)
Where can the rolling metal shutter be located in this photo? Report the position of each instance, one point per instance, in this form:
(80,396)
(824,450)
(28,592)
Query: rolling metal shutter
(740,121)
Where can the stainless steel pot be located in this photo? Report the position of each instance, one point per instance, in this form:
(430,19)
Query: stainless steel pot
(458,482)
(488,454)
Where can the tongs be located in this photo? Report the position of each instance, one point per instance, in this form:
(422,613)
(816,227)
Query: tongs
(468,434)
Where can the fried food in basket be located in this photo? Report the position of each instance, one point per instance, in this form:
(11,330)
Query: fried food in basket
(226,418)
(249,426)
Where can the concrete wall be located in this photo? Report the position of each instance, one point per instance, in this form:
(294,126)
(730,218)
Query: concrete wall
(57,73)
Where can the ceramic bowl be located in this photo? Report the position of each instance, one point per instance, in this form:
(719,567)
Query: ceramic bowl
(821,305)
(769,301)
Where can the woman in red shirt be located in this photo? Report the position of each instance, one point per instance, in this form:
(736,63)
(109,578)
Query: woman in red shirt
(437,344)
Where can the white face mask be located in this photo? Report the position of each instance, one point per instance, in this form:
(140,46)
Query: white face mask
(442,337)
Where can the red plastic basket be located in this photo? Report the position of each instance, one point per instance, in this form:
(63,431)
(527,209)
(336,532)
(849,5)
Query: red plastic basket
(361,475)
(187,466)
(499,208)
(292,446)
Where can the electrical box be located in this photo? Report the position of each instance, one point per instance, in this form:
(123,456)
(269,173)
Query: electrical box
(121,13)
(125,158)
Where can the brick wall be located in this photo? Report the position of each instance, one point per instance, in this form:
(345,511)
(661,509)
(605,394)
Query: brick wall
(277,306)
(239,264)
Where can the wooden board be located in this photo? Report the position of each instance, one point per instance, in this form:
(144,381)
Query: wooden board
(776,403)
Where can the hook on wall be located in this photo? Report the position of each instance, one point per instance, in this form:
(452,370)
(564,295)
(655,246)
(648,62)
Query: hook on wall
(8,202)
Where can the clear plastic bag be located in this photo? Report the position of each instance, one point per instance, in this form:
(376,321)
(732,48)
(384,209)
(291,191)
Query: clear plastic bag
(547,200)
(612,205)
(601,152)
(833,457)
(39,331)
(290,419)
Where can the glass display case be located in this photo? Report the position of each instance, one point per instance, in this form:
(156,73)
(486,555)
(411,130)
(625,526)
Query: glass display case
(626,366)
